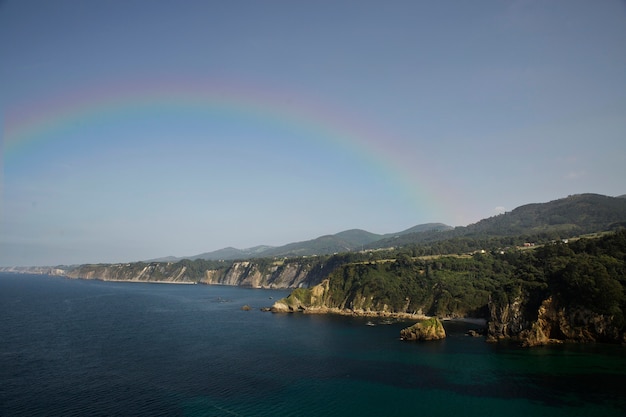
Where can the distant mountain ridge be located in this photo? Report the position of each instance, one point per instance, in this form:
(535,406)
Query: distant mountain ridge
(346,241)
(569,216)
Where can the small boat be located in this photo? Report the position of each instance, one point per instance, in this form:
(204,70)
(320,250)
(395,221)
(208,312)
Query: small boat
(369,323)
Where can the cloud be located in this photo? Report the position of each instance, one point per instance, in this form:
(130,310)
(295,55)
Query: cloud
(500,210)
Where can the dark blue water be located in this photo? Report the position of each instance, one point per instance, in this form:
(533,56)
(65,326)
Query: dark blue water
(72,347)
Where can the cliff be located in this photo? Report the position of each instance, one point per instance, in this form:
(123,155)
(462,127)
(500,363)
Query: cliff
(255,274)
(319,299)
(156,272)
(507,319)
(554,322)
(558,292)
(251,274)
(35,270)
(301,299)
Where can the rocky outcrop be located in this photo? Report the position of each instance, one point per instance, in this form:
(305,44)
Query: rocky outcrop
(506,319)
(552,323)
(556,324)
(303,299)
(430,329)
(317,300)
(475,333)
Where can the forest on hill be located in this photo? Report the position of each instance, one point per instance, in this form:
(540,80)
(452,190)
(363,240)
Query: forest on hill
(587,276)
(562,218)
(589,272)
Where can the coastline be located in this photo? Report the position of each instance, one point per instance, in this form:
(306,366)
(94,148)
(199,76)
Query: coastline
(140,282)
(283,308)
(355,313)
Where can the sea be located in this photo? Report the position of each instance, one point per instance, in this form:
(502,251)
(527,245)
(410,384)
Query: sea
(94,348)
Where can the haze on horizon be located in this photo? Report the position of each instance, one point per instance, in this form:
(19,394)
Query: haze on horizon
(134,130)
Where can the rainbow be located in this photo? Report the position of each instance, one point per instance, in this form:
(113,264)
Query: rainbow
(25,127)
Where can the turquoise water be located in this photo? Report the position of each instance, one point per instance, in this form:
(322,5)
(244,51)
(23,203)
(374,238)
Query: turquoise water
(100,348)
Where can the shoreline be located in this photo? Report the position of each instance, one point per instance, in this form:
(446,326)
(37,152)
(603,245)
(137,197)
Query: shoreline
(132,281)
(356,313)
(141,282)
(481,322)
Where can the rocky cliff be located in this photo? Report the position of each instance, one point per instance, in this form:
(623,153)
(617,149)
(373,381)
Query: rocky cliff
(251,274)
(554,322)
(507,318)
(35,270)
(318,299)
(261,274)
(156,272)
(313,299)
(577,302)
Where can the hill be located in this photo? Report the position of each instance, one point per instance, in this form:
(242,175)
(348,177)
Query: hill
(232,253)
(563,291)
(346,241)
(563,218)
(576,214)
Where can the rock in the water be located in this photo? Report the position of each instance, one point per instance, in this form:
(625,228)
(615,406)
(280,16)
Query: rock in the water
(430,329)
(474,333)
(281,307)
(246,308)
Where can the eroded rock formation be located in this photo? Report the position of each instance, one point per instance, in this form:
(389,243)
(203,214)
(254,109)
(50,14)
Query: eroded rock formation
(430,329)
(552,323)
(253,274)
(556,324)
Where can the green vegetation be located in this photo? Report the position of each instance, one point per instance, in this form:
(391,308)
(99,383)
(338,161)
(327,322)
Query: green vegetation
(572,216)
(588,273)
(196,269)
(445,286)
(429,329)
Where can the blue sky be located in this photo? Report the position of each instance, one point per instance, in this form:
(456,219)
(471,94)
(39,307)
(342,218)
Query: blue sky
(242,123)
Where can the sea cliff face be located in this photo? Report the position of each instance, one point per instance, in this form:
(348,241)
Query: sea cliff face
(278,274)
(250,274)
(318,299)
(516,319)
(125,272)
(553,322)
(304,299)
(506,319)
(35,270)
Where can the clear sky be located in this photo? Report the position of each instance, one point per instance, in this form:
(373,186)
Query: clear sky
(138,129)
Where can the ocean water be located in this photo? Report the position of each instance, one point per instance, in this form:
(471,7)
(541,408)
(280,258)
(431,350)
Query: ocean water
(72,347)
